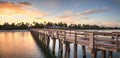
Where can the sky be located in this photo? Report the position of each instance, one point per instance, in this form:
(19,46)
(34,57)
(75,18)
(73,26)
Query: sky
(99,12)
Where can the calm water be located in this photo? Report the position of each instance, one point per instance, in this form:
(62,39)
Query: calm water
(19,45)
(22,45)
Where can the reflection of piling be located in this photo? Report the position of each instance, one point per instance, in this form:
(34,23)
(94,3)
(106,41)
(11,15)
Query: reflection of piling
(60,46)
(93,53)
(75,50)
(53,46)
(66,50)
(83,52)
(110,54)
(103,54)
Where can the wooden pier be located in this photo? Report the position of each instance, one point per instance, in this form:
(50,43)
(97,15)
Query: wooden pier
(94,41)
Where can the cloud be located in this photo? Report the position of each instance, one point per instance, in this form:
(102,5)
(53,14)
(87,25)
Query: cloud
(80,15)
(66,14)
(92,11)
(24,8)
(25,3)
(50,3)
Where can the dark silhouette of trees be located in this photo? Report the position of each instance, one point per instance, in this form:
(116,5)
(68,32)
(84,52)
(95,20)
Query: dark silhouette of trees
(38,25)
(22,25)
(49,25)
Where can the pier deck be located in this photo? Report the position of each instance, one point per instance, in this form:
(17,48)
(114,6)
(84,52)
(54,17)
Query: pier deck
(95,41)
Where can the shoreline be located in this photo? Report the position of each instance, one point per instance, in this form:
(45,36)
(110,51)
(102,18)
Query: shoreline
(14,30)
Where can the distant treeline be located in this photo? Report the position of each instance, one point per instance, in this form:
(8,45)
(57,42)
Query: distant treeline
(50,25)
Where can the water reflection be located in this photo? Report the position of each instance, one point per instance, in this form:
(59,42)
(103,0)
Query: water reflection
(18,45)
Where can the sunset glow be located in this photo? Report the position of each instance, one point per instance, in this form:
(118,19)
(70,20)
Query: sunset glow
(101,12)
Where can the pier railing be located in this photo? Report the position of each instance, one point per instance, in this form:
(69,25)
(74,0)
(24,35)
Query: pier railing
(93,40)
(100,40)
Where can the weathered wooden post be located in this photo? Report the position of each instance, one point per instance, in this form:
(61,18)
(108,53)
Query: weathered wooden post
(117,40)
(58,34)
(39,35)
(83,52)
(52,33)
(66,45)
(42,37)
(59,43)
(91,40)
(66,49)
(75,46)
(103,54)
(48,41)
(59,40)
(45,37)
(91,45)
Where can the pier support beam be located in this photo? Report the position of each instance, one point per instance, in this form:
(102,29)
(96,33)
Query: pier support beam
(103,54)
(110,54)
(83,52)
(66,49)
(60,46)
(59,43)
(75,50)
(53,47)
(75,46)
(48,41)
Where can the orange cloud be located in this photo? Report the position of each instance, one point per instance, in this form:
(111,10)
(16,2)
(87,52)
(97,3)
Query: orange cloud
(19,12)
(10,8)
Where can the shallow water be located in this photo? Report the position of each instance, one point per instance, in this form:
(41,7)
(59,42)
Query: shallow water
(22,45)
